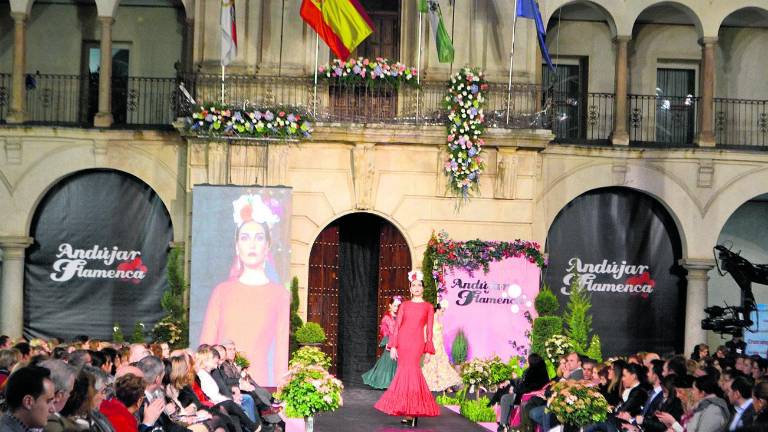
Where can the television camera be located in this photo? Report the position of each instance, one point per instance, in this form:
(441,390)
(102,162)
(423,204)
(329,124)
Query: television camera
(734,319)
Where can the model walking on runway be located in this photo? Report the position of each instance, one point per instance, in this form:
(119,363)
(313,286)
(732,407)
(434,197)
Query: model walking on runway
(408,395)
(381,374)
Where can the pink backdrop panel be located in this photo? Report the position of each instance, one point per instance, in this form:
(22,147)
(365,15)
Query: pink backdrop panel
(490,307)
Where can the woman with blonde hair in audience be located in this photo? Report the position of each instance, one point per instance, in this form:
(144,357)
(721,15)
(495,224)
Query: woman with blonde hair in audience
(205,362)
(179,391)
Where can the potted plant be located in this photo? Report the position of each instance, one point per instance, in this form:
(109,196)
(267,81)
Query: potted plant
(309,356)
(576,405)
(310,334)
(308,390)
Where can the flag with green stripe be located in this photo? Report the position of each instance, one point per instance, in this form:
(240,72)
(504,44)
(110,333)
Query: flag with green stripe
(442,38)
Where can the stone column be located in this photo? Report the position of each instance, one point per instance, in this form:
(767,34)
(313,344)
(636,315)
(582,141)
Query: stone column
(706,136)
(696,300)
(104,116)
(17,112)
(620,135)
(12,288)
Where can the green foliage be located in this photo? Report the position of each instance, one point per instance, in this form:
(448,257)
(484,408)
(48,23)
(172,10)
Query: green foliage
(516,366)
(310,333)
(308,356)
(544,328)
(296,321)
(546,303)
(459,347)
(577,317)
(427,265)
(117,334)
(477,410)
(174,326)
(443,399)
(595,351)
(138,333)
(500,371)
(309,390)
(241,360)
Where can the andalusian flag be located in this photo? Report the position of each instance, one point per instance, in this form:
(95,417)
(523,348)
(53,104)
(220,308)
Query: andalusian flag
(442,38)
(342,24)
(228,32)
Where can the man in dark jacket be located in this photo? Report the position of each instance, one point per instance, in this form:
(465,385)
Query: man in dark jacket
(740,396)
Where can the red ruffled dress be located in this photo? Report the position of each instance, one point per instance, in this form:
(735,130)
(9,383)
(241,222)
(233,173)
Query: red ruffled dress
(408,394)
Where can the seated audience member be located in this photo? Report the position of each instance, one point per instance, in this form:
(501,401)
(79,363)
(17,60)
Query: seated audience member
(8,359)
(60,353)
(153,370)
(63,377)
(76,413)
(100,380)
(571,371)
(80,358)
(648,358)
(25,350)
(112,359)
(230,387)
(589,367)
(700,352)
(760,403)
(120,411)
(138,352)
(534,378)
(759,366)
(613,389)
(206,361)
(177,389)
(634,395)
(5,342)
(670,405)
(740,396)
(29,394)
(709,414)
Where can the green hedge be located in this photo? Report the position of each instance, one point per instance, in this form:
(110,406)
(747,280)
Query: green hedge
(544,328)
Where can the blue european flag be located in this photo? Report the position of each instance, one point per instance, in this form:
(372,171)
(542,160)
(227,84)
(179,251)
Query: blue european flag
(529,9)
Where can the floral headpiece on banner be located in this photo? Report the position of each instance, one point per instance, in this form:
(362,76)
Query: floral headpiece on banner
(415,275)
(251,208)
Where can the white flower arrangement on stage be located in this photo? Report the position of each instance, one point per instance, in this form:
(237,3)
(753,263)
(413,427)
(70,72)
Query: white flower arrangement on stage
(558,346)
(465,100)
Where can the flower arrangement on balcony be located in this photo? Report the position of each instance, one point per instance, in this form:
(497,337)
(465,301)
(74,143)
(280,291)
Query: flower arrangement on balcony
(368,72)
(466,123)
(231,121)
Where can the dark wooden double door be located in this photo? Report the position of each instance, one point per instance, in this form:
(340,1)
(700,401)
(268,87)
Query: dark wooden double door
(351,281)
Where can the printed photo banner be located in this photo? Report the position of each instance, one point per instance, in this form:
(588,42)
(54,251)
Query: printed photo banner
(491,307)
(756,336)
(240,274)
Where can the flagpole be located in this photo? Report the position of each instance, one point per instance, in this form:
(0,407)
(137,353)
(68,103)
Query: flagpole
(511,60)
(314,90)
(418,64)
(222,83)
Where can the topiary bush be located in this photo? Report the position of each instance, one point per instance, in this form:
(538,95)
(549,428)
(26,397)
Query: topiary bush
(296,321)
(427,265)
(459,348)
(117,334)
(310,333)
(138,333)
(546,303)
(544,328)
(595,351)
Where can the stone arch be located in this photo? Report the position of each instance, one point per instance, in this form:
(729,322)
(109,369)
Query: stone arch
(714,22)
(40,177)
(729,198)
(609,9)
(689,7)
(673,195)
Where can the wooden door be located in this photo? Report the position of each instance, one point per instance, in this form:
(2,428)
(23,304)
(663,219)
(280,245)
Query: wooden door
(394,265)
(323,296)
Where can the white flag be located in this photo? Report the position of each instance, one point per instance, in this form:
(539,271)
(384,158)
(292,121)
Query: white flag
(228,32)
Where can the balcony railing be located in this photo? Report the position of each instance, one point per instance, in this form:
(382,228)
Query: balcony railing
(664,121)
(359,103)
(582,120)
(741,123)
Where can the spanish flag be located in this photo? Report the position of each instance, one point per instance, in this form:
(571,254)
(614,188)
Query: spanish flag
(342,24)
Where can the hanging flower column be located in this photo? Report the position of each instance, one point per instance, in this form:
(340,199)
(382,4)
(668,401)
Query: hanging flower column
(466,123)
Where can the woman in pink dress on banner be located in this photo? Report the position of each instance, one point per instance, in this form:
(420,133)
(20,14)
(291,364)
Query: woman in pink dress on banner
(408,395)
(249,308)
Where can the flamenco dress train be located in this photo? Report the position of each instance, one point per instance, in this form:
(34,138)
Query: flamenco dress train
(380,375)
(408,394)
(438,371)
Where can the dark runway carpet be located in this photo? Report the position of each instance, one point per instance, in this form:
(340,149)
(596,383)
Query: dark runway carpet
(358,414)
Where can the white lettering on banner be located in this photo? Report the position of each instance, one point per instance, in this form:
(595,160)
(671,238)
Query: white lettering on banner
(72,263)
(637,280)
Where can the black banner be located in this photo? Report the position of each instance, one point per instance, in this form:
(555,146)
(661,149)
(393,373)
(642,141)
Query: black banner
(625,246)
(99,257)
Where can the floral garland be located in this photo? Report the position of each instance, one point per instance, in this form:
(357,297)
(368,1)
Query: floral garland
(475,254)
(226,120)
(363,70)
(465,100)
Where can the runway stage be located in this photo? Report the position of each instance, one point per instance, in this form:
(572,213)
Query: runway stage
(358,414)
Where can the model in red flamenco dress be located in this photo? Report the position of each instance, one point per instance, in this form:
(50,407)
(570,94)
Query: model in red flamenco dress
(408,395)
